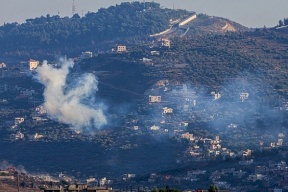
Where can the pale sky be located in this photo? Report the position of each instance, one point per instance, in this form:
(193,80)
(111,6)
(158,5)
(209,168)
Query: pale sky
(250,13)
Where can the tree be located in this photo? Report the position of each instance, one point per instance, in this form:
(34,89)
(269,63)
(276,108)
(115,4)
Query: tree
(213,188)
(280,23)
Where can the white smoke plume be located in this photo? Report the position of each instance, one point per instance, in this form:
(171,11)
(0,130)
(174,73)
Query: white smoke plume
(5,165)
(71,104)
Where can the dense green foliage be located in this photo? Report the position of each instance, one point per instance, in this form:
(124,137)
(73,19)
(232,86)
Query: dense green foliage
(121,21)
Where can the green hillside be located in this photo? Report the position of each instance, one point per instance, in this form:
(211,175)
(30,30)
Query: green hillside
(50,35)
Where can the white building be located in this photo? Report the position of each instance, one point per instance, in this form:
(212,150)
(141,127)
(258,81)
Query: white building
(2,65)
(217,96)
(244,96)
(87,54)
(154,128)
(19,120)
(37,136)
(279,142)
(121,48)
(154,99)
(167,110)
(19,135)
(40,110)
(166,43)
(33,64)
(187,136)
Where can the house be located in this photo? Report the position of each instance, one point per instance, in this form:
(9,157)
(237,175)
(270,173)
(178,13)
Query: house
(33,64)
(154,128)
(37,136)
(19,120)
(155,53)
(187,136)
(6,177)
(121,48)
(40,110)
(247,153)
(167,110)
(86,55)
(279,142)
(2,65)
(19,135)
(216,95)
(154,99)
(166,43)
(244,96)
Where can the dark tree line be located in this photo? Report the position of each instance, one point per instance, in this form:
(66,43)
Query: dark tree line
(283,22)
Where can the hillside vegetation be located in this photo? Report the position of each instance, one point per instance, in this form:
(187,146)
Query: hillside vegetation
(59,35)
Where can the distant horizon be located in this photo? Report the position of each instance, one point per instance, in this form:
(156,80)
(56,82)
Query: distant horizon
(255,14)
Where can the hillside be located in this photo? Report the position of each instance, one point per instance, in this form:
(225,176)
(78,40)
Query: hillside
(49,35)
(201,78)
(129,23)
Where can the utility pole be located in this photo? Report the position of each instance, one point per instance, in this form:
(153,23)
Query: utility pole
(18,182)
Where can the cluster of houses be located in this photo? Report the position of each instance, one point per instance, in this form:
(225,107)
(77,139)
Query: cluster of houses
(38,116)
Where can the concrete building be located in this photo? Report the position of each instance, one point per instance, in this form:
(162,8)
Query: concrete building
(86,55)
(216,95)
(244,96)
(154,128)
(121,48)
(2,65)
(154,99)
(167,110)
(19,135)
(19,120)
(166,43)
(33,64)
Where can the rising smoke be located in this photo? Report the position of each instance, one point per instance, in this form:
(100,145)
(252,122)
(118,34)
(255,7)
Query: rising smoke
(5,165)
(71,103)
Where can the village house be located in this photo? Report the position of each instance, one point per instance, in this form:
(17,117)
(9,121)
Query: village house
(19,120)
(86,55)
(166,42)
(216,95)
(167,110)
(244,96)
(154,99)
(187,135)
(121,48)
(19,135)
(154,128)
(33,64)
(2,65)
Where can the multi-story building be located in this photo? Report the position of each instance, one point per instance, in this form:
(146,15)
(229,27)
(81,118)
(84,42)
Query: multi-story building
(121,48)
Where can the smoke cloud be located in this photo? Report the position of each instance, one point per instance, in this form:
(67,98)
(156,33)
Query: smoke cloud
(5,165)
(71,102)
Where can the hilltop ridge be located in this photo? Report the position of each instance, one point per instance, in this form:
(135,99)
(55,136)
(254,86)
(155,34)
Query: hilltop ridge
(129,22)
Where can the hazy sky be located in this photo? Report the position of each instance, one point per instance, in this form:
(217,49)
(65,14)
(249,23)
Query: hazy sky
(251,13)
